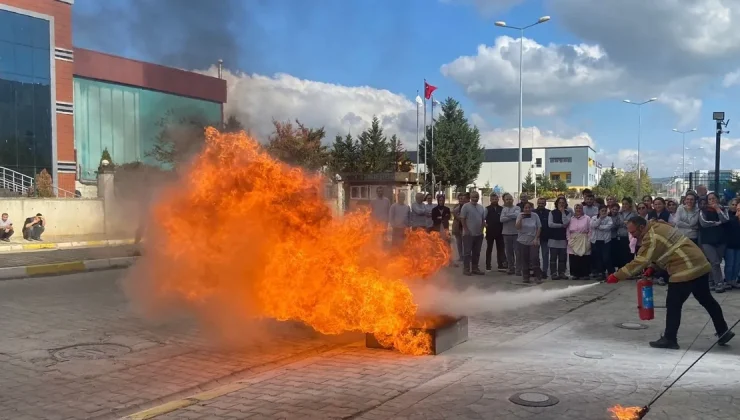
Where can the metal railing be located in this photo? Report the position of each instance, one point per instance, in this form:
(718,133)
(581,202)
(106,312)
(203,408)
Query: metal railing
(15,181)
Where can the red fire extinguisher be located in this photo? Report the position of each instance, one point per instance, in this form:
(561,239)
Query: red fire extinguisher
(645,304)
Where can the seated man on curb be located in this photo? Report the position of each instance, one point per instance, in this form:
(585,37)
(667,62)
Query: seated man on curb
(6,228)
(33,227)
(688,274)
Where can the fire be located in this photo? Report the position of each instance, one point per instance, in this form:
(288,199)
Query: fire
(244,236)
(626,413)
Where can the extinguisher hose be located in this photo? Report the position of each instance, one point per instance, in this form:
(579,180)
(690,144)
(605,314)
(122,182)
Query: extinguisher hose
(690,366)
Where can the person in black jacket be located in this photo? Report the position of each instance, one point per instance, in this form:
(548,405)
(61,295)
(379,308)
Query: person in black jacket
(732,253)
(494,234)
(713,238)
(544,215)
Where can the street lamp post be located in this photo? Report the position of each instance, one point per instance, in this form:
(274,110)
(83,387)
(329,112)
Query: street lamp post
(683,150)
(521,29)
(639,133)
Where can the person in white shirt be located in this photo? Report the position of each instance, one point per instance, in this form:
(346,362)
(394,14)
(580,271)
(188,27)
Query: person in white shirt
(380,207)
(6,228)
(399,217)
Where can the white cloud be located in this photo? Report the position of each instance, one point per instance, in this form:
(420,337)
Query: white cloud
(731,79)
(555,76)
(687,108)
(503,138)
(257,100)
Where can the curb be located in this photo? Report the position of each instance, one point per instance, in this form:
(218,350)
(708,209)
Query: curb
(11,273)
(64,245)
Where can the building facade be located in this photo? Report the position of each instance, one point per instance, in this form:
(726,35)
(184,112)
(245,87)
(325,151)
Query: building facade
(706,177)
(61,106)
(576,165)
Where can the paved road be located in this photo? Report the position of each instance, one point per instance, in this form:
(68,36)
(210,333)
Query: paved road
(18,259)
(297,374)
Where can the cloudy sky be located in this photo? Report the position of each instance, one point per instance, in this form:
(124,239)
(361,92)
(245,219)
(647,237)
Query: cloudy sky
(336,63)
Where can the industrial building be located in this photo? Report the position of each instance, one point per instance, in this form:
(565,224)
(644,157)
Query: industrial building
(61,106)
(576,165)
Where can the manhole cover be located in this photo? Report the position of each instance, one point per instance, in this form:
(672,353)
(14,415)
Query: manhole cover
(90,352)
(631,326)
(533,399)
(593,354)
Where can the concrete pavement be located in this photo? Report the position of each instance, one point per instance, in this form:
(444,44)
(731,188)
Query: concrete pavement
(29,263)
(45,373)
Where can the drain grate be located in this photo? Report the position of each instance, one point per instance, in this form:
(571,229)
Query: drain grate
(593,354)
(533,399)
(93,351)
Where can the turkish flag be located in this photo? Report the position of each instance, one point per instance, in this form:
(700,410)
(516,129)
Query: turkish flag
(428,90)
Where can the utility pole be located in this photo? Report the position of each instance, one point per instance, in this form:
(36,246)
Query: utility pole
(719,117)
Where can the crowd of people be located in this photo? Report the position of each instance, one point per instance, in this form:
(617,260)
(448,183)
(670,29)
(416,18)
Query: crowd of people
(680,243)
(586,242)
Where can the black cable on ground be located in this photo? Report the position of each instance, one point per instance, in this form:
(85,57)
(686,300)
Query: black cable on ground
(647,407)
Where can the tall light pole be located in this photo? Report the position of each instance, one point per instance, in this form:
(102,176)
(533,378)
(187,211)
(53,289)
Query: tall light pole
(683,149)
(521,29)
(639,133)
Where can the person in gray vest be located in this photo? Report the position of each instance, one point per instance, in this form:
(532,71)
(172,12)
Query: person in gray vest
(473,218)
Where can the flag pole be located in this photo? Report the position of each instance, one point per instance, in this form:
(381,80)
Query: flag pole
(416,102)
(424,136)
(434,180)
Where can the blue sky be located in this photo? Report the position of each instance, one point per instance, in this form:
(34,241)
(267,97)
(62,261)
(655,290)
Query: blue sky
(338,58)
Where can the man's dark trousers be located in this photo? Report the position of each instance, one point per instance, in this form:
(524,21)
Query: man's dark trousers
(677,295)
(471,251)
(500,253)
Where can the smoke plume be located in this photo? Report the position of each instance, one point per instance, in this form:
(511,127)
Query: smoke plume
(474,301)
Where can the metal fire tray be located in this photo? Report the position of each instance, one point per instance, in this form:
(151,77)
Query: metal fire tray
(446,334)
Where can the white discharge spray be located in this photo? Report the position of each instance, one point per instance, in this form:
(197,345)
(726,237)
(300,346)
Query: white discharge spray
(474,301)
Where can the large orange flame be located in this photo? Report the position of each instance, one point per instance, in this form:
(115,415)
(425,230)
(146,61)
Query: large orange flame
(626,413)
(245,235)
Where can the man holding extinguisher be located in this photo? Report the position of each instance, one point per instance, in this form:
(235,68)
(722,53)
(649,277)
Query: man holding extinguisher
(664,247)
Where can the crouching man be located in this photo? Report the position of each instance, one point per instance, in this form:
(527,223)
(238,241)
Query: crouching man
(664,247)
(33,227)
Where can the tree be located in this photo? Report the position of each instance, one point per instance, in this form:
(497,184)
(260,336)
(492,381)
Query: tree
(544,184)
(232,125)
(344,156)
(561,186)
(374,148)
(106,156)
(298,146)
(627,184)
(401,160)
(608,184)
(528,184)
(43,185)
(457,155)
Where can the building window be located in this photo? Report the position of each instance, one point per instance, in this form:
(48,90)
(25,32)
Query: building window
(561,160)
(568,178)
(555,177)
(538,162)
(25,93)
(127,121)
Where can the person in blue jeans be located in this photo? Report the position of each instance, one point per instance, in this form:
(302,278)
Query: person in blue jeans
(732,253)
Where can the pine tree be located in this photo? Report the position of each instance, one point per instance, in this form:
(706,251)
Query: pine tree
(375,150)
(457,155)
(528,184)
(401,163)
(298,145)
(344,155)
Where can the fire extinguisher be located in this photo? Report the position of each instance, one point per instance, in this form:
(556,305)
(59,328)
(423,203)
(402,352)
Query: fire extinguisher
(645,304)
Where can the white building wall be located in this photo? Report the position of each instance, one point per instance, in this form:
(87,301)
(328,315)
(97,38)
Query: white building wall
(501,174)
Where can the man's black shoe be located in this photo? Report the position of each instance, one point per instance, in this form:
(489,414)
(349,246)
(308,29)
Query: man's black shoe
(478,273)
(467,273)
(664,343)
(725,338)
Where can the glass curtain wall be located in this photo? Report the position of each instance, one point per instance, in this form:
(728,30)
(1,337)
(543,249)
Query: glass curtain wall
(127,120)
(25,93)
